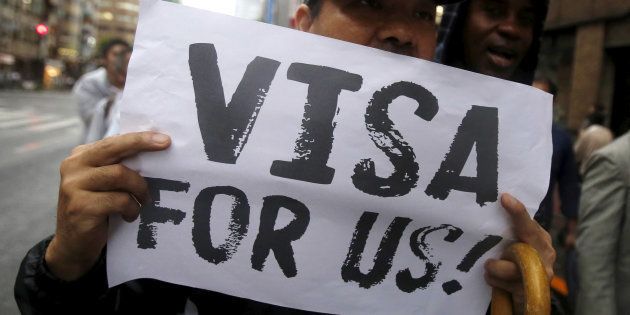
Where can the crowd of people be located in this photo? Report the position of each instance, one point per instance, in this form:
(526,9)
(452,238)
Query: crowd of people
(589,178)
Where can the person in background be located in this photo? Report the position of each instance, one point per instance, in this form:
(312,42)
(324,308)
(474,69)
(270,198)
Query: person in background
(603,232)
(564,174)
(564,181)
(501,38)
(106,115)
(97,91)
(590,140)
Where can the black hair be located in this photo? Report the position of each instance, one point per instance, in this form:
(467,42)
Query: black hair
(108,45)
(314,5)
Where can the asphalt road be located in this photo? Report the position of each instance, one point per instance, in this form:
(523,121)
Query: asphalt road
(37,131)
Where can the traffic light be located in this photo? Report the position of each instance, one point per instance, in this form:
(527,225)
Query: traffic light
(41,29)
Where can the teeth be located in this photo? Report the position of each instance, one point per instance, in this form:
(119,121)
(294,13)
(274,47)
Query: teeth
(501,52)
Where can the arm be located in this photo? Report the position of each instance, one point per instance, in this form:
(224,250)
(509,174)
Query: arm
(600,218)
(66,274)
(38,291)
(569,190)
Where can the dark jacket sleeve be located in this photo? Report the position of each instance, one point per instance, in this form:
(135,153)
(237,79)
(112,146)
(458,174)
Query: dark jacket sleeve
(569,181)
(38,291)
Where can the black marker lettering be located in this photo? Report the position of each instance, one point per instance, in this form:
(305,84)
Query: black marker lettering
(390,141)
(480,126)
(225,129)
(350,270)
(280,240)
(152,213)
(404,280)
(314,144)
(202,214)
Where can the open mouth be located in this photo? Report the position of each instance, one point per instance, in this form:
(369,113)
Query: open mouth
(501,56)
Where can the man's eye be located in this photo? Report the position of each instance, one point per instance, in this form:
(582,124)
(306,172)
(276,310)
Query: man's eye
(375,4)
(493,10)
(425,15)
(527,19)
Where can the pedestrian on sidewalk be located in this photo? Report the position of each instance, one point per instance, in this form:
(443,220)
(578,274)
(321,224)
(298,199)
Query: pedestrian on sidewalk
(98,91)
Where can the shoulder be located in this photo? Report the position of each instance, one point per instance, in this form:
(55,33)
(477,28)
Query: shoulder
(617,153)
(93,77)
(93,82)
(618,149)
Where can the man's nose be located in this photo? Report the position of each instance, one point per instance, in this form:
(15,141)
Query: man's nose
(510,26)
(396,35)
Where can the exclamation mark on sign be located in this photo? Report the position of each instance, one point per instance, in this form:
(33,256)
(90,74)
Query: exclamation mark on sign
(470,259)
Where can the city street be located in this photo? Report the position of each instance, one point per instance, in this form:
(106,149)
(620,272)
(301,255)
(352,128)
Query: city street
(37,131)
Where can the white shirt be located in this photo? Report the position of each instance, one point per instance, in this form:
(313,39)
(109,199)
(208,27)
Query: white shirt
(92,92)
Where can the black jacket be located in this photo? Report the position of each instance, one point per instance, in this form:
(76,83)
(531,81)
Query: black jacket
(38,291)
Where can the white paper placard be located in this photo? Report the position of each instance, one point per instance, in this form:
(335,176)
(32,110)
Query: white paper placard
(324,175)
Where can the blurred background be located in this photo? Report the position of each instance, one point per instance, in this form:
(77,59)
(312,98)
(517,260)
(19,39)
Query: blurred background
(46,45)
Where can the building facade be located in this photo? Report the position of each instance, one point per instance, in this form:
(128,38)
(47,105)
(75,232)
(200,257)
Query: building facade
(53,59)
(586,50)
(22,50)
(71,42)
(76,30)
(117,19)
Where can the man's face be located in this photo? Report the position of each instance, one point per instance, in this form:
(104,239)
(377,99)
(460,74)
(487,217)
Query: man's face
(114,54)
(404,27)
(115,62)
(497,35)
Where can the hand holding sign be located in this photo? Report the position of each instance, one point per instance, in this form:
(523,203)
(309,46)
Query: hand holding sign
(504,274)
(94,186)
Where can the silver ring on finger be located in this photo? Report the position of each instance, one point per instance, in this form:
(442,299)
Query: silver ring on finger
(135,199)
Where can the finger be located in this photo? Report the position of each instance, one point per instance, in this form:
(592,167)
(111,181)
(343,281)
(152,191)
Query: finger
(114,149)
(503,269)
(136,200)
(516,290)
(88,206)
(523,226)
(78,149)
(514,287)
(529,231)
(109,203)
(116,177)
(548,256)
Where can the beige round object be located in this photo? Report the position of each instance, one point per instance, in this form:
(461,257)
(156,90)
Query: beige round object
(535,281)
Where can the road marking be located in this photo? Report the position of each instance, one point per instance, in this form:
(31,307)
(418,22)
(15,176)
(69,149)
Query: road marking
(70,122)
(28,147)
(26,121)
(43,144)
(8,115)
